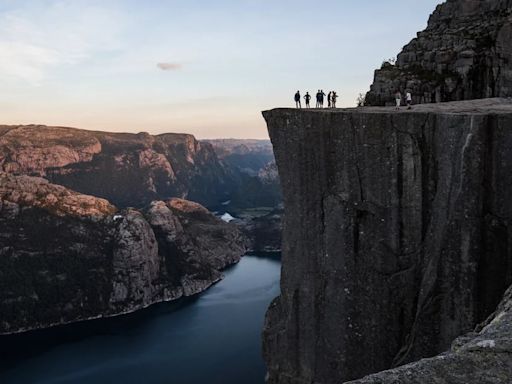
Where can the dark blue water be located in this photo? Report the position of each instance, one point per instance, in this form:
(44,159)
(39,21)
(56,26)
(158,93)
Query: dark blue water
(211,338)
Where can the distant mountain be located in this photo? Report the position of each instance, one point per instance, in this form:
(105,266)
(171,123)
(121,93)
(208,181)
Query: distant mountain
(257,201)
(71,248)
(249,156)
(127,169)
(65,256)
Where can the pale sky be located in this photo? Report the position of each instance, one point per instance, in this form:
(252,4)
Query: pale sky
(198,66)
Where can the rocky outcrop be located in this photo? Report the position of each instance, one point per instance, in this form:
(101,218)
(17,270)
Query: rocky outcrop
(127,169)
(484,356)
(263,229)
(396,235)
(464,53)
(67,257)
(39,193)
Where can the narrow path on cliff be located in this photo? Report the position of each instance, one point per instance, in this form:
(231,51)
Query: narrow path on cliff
(214,338)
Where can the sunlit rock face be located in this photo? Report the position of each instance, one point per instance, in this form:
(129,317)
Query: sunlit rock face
(464,53)
(127,169)
(396,234)
(66,256)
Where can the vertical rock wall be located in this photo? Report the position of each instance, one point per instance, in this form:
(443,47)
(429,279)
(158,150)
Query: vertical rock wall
(396,235)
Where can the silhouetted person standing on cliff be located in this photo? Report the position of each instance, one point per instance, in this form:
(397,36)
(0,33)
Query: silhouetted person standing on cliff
(297,100)
(329,95)
(318,99)
(321,98)
(334,96)
(307,97)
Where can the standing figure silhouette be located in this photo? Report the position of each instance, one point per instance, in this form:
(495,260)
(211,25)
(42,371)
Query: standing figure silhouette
(321,98)
(334,96)
(307,97)
(297,100)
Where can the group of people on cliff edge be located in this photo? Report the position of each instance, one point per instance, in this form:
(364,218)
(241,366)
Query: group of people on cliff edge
(398,99)
(331,99)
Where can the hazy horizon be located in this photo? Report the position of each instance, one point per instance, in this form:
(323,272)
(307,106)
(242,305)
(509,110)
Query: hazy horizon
(195,67)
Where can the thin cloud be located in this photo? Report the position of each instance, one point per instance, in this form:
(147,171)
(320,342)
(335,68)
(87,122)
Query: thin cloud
(35,42)
(169,66)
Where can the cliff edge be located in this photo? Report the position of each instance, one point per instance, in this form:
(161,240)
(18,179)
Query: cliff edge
(396,235)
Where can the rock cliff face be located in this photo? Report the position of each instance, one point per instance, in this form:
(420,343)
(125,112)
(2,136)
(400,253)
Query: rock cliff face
(464,53)
(67,257)
(396,235)
(127,169)
(482,357)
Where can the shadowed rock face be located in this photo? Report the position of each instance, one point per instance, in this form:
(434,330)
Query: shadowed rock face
(64,257)
(396,234)
(480,357)
(127,169)
(464,53)
(253,166)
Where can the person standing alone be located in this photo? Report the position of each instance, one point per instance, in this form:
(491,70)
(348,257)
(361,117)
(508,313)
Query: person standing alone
(297,100)
(408,99)
(398,99)
(307,97)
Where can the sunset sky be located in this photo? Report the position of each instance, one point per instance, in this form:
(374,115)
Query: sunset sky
(198,66)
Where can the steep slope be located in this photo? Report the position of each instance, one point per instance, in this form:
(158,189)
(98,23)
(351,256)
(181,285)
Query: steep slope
(464,53)
(127,169)
(396,234)
(67,257)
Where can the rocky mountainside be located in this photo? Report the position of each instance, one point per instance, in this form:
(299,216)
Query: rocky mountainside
(247,155)
(65,256)
(464,53)
(396,238)
(253,165)
(127,169)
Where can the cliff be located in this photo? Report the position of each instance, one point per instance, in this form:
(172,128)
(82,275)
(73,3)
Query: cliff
(480,357)
(127,169)
(464,53)
(65,256)
(396,235)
